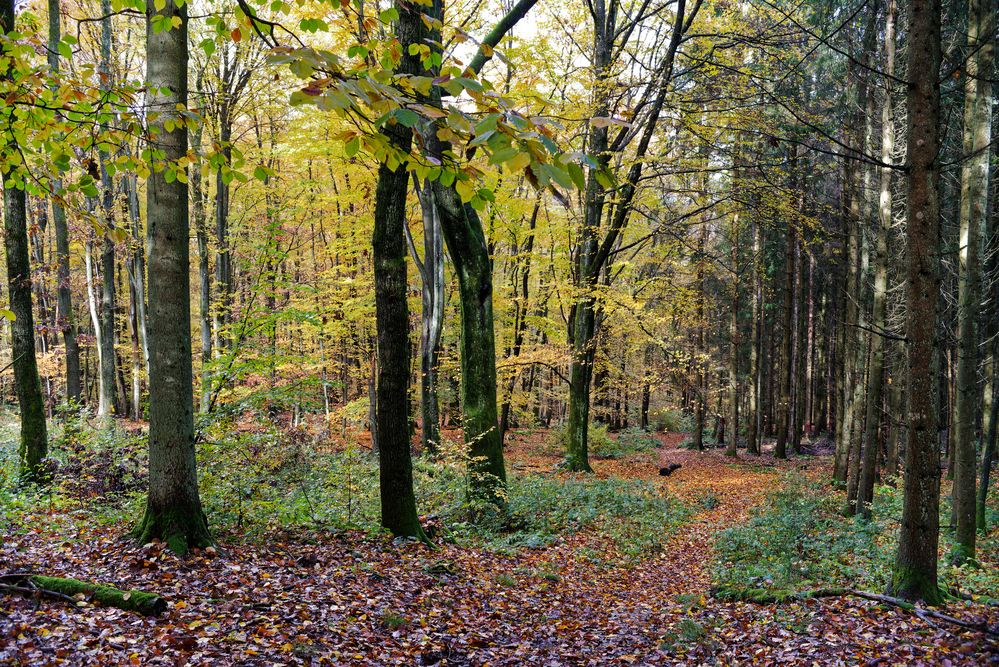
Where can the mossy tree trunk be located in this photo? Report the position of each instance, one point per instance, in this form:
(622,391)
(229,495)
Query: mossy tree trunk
(173,510)
(787,361)
(467,245)
(34,437)
(915,572)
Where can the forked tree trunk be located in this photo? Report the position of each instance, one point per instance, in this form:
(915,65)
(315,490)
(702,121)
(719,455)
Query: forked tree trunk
(173,510)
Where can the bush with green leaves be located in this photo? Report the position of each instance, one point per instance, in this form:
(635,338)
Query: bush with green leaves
(602,445)
(671,420)
(799,540)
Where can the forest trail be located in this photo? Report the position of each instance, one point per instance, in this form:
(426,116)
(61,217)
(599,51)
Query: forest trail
(350,599)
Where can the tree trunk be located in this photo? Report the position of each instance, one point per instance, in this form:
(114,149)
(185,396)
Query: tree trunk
(467,245)
(733,348)
(432,315)
(879,312)
(973,212)
(392,312)
(915,571)
(64,316)
(787,368)
(520,319)
(34,438)
(753,439)
(173,510)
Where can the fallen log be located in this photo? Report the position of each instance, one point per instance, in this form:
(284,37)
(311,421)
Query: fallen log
(764,596)
(36,585)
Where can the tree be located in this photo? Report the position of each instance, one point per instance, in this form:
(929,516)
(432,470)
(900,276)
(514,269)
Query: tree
(879,313)
(34,437)
(597,239)
(973,213)
(915,572)
(173,509)
(389,245)
(64,315)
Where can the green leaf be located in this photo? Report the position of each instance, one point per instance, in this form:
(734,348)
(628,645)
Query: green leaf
(352,147)
(406,117)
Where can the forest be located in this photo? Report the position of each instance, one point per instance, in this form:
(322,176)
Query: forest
(499,332)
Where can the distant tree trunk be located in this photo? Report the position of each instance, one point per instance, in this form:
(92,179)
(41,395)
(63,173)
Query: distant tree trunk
(34,438)
(753,439)
(879,312)
(733,348)
(135,298)
(700,360)
(432,315)
(398,502)
(915,572)
(109,403)
(787,368)
(973,212)
(204,273)
(990,441)
(64,316)
(520,320)
(173,510)
(800,349)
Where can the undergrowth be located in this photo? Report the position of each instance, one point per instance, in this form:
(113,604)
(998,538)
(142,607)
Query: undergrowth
(800,540)
(257,477)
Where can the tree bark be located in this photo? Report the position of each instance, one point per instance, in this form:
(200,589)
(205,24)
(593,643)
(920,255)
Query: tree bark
(787,367)
(34,437)
(915,570)
(392,313)
(64,295)
(173,510)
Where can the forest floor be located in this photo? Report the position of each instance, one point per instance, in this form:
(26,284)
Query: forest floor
(350,598)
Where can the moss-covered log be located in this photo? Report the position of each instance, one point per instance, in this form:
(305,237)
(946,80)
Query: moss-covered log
(148,604)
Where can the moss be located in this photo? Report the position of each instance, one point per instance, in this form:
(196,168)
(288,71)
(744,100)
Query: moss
(181,529)
(148,604)
(910,584)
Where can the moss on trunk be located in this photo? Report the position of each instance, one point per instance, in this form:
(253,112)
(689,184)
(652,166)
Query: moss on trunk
(182,528)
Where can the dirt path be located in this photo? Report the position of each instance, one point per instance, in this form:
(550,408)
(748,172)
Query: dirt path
(351,599)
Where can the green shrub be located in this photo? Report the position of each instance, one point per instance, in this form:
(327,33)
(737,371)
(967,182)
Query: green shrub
(800,539)
(602,445)
(671,420)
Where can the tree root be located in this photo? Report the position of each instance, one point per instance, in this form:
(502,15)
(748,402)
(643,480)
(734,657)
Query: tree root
(763,596)
(74,590)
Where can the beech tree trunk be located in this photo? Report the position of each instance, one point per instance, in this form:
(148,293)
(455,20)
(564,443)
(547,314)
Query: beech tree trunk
(432,315)
(64,295)
(915,572)
(173,510)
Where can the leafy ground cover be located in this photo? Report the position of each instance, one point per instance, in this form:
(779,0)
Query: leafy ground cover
(612,569)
